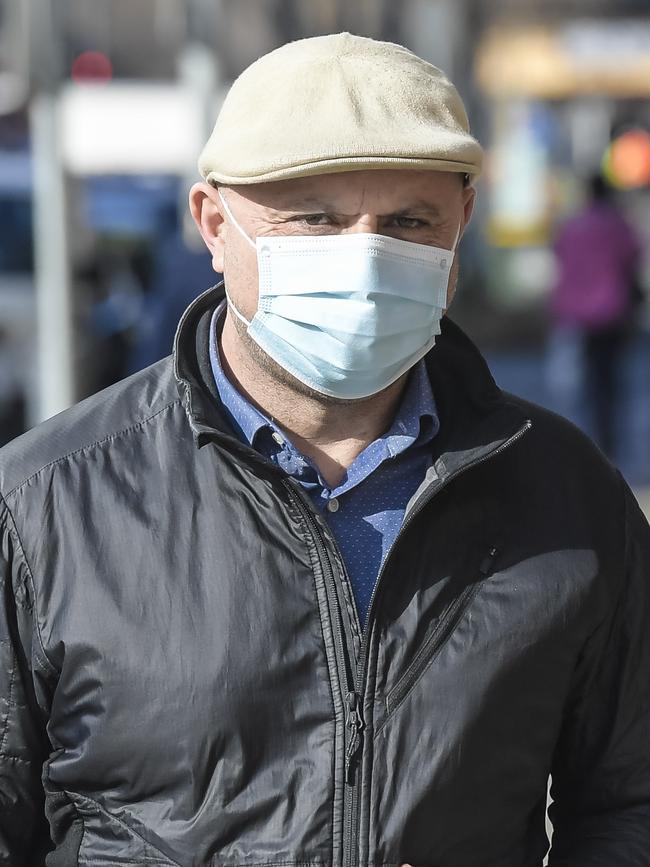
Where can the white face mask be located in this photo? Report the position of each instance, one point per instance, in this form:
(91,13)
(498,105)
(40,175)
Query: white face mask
(347,315)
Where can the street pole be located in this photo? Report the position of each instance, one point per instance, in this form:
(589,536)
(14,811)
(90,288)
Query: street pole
(54,297)
(200,73)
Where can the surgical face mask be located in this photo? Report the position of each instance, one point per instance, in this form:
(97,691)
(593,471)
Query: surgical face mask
(347,315)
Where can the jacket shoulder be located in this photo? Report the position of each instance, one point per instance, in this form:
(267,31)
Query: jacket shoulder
(555,447)
(109,413)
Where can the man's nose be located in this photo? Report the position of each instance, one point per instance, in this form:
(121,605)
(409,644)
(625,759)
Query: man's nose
(364,223)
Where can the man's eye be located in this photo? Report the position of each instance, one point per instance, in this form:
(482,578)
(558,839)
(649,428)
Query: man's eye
(315,219)
(408,222)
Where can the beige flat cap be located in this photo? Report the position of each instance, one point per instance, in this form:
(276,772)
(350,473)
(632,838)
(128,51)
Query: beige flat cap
(334,104)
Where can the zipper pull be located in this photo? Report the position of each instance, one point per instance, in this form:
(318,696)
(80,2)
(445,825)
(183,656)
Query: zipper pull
(353,716)
(488,560)
(354,722)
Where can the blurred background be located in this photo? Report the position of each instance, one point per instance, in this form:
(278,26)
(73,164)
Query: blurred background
(105,105)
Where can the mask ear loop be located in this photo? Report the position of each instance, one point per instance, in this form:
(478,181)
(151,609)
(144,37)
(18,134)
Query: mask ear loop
(457,238)
(234,309)
(252,243)
(234,221)
(453,250)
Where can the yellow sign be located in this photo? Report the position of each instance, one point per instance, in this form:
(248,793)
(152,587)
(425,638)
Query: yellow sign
(583,57)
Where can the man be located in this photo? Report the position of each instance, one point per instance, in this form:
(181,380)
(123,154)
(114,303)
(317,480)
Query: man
(314,590)
(593,302)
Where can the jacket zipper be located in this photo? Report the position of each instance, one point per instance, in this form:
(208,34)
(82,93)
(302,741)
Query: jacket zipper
(355,691)
(306,511)
(353,719)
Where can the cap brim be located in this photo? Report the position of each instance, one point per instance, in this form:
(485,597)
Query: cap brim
(344,164)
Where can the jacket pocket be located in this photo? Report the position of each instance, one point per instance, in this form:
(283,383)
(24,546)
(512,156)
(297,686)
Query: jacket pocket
(108,840)
(85,834)
(66,830)
(66,824)
(435,640)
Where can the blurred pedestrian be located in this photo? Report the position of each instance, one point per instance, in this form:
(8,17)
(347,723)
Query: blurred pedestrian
(314,590)
(593,302)
(181,271)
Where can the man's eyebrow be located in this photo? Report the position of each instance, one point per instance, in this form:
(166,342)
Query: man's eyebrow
(303,203)
(421,206)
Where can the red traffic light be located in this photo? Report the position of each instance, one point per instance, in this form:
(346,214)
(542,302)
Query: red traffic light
(93,66)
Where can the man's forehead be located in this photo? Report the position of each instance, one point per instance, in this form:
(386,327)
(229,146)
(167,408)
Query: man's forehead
(398,188)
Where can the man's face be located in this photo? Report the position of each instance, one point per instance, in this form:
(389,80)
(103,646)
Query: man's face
(421,206)
(426,207)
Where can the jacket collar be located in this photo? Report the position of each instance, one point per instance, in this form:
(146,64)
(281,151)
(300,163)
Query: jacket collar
(476,417)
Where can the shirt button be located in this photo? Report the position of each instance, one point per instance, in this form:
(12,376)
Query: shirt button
(278,439)
(333,505)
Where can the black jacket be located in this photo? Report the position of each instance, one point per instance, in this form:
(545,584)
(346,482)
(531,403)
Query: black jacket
(184,680)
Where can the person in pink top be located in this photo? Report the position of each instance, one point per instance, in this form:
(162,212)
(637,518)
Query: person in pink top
(598,255)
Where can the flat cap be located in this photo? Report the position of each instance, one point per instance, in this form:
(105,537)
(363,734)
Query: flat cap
(334,104)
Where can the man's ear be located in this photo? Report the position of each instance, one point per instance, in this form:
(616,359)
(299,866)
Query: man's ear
(469,199)
(205,208)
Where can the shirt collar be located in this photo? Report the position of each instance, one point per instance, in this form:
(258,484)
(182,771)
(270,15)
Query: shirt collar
(415,420)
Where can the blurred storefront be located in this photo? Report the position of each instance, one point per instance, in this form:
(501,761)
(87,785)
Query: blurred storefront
(558,98)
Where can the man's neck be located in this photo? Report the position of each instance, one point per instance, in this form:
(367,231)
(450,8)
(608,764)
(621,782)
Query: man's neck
(331,434)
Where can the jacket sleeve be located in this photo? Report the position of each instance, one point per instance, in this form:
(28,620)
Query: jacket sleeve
(24,831)
(601,769)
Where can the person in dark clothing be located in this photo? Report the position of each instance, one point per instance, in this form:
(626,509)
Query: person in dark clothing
(313,590)
(179,275)
(594,297)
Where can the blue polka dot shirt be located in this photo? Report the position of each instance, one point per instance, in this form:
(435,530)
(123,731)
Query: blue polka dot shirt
(365,510)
